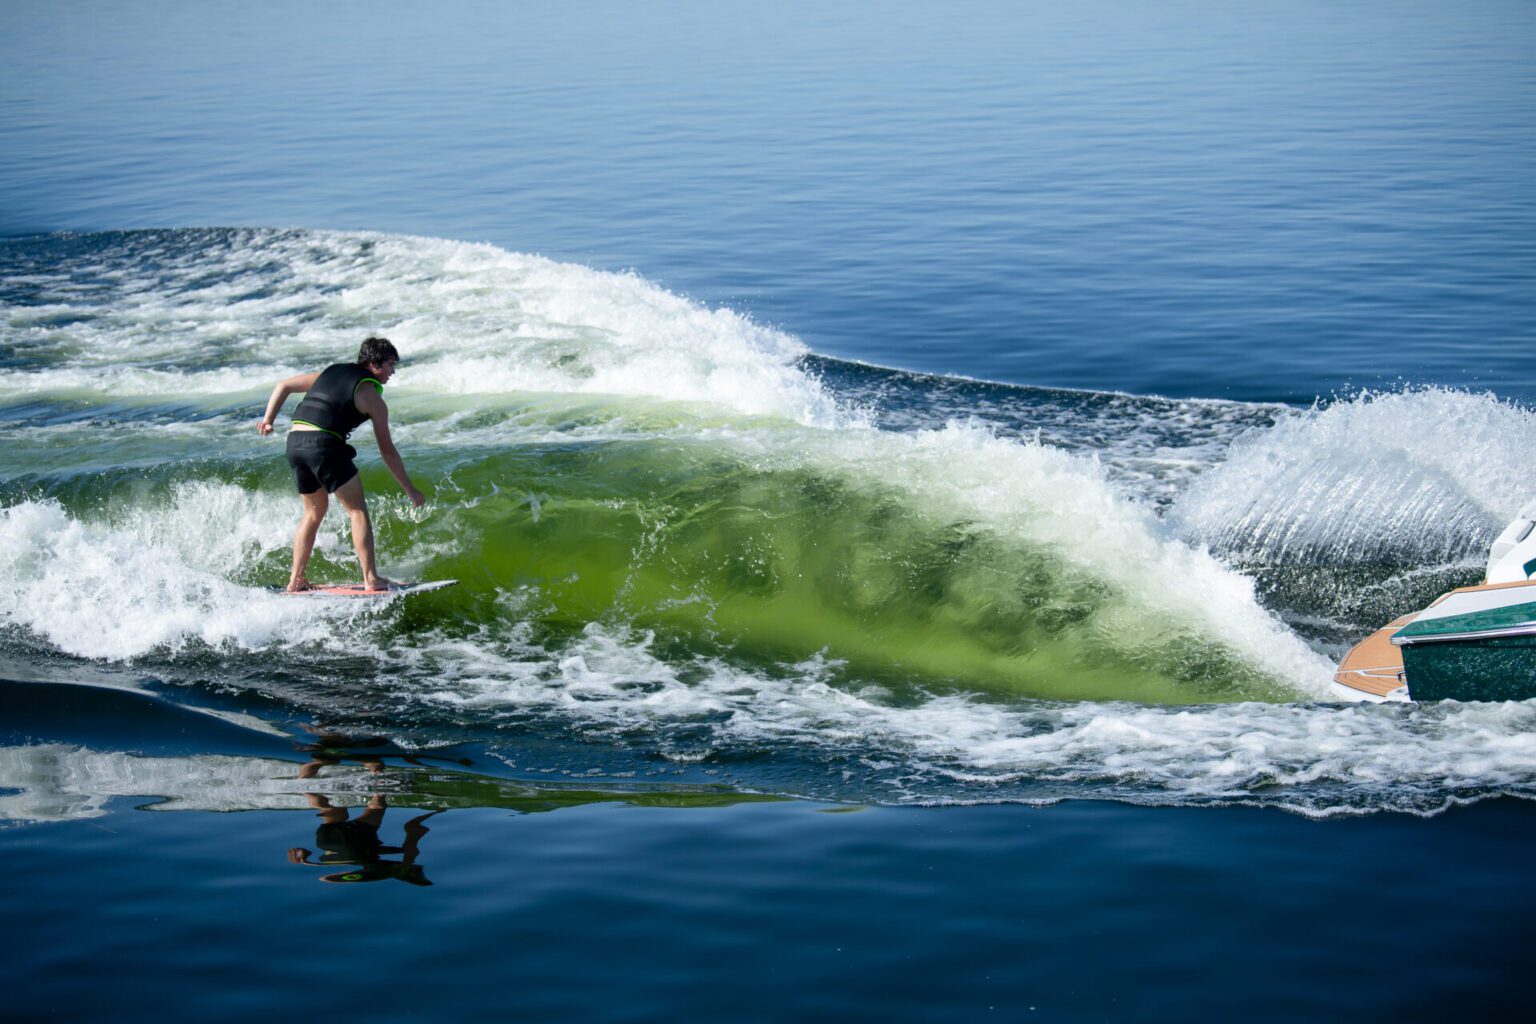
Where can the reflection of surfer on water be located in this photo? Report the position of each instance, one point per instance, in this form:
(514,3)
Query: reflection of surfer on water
(355,842)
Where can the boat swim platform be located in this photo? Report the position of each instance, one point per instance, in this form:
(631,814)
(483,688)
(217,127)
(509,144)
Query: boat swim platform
(1375,665)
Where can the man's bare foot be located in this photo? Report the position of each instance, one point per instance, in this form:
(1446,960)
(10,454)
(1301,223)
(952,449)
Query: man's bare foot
(299,586)
(380,583)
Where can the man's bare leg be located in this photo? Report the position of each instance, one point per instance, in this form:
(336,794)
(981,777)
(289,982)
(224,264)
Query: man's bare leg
(350,494)
(315,504)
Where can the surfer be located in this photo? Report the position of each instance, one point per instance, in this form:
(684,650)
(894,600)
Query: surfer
(337,400)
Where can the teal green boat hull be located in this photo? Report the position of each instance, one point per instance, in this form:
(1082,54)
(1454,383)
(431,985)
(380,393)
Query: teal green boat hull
(1483,669)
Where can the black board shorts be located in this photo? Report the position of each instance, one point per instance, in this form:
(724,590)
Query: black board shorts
(353,841)
(320,460)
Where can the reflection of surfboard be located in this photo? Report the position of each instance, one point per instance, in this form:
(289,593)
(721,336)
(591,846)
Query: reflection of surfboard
(356,590)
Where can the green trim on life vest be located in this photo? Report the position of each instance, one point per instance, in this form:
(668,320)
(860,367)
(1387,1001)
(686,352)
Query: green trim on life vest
(320,428)
(366,380)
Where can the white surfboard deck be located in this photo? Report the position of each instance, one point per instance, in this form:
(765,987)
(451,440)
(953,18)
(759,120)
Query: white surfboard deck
(356,589)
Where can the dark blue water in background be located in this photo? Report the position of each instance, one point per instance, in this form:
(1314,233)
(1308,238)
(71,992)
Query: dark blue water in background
(1262,202)
(1257,201)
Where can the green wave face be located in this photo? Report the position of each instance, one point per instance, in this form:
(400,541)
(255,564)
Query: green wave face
(756,543)
(720,555)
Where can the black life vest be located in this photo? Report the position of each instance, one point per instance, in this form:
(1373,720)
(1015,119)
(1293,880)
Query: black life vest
(329,404)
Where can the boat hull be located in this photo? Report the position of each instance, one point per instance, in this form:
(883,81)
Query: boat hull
(1472,644)
(1496,668)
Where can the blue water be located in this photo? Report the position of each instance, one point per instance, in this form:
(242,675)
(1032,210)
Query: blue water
(911,468)
(1265,202)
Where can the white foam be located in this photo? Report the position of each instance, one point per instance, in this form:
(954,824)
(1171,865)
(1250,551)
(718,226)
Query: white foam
(1422,476)
(1315,759)
(469,318)
(158,578)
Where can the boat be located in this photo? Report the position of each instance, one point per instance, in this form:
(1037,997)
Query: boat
(1472,644)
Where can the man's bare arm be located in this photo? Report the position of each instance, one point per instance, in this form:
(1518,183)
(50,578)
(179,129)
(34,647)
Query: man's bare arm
(280,393)
(372,403)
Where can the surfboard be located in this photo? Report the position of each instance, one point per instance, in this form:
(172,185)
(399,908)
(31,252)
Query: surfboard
(356,589)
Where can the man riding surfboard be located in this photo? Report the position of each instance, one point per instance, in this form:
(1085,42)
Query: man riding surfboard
(337,400)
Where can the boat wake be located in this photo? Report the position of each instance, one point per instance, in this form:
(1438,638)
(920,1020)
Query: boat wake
(683,537)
